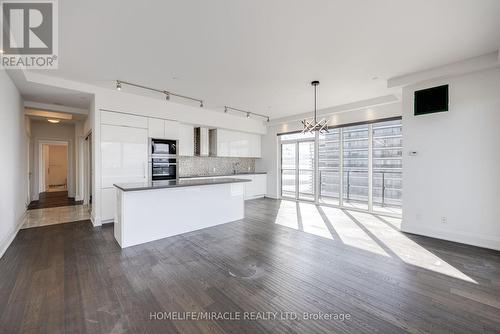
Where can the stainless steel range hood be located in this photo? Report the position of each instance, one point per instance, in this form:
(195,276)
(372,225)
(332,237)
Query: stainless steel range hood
(201,142)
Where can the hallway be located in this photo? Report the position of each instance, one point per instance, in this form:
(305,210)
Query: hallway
(55,208)
(52,200)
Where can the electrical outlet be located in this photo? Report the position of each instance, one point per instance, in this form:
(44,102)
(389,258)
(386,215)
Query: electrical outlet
(444,220)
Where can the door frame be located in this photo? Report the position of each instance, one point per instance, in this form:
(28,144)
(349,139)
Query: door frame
(41,161)
(87,168)
(297,142)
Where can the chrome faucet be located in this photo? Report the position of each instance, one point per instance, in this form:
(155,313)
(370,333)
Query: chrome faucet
(235,167)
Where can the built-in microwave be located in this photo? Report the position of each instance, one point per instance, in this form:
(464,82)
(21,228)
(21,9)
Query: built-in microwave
(163,168)
(163,147)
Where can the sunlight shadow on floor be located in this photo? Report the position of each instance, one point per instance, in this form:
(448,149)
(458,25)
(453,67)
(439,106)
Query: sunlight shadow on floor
(377,234)
(404,248)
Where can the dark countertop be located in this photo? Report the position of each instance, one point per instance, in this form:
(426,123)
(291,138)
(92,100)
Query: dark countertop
(163,184)
(218,175)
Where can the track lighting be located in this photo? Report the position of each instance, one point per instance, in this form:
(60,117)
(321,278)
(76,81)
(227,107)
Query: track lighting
(119,84)
(268,120)
(248,113)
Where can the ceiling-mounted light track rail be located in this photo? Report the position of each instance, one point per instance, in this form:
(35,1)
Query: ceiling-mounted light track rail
(246,112)
(120,83)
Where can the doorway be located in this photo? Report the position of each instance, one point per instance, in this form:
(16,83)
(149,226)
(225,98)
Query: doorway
(297,169)
(54,167)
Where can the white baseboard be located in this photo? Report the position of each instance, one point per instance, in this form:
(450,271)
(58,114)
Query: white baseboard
(95,222)
(468,239)
(5,243)
(273,197)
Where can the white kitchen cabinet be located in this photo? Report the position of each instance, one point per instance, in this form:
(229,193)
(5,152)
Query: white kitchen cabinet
(124,155)
(257,187)
(156,128)
(121,119)
(171,130)
(237,144)
(124,159)
(186,140)
(108,203)
(260,181)
(163,129)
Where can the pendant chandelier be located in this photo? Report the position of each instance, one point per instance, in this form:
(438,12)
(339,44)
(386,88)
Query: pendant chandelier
(313,125)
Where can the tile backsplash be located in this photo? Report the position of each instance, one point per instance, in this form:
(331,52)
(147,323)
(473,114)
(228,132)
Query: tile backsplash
(206,166)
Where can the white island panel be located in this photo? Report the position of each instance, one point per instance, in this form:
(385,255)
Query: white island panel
(153,214)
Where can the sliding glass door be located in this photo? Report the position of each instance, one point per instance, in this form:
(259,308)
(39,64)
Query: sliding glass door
(306,170)
(288,170)
(297,167)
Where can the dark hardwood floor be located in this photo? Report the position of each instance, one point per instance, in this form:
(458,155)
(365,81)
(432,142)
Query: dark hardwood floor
(73,278)
(52,200)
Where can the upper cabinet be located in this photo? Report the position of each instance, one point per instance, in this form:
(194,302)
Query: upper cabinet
(163,129)
(237,144)
(122,119)
(186,140)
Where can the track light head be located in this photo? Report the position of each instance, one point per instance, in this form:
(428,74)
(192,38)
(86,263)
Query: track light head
(268,120)
(225,109)
(201,104)
(118,85)
(167,95)
(248,115)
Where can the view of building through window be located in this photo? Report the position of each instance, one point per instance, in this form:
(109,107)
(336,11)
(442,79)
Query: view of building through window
(349,159)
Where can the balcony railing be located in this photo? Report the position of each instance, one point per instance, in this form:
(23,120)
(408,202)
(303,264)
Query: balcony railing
(353,188)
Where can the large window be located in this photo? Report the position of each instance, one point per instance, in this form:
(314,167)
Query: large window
(355,166)
(387,163)
(329,167)
(359,166)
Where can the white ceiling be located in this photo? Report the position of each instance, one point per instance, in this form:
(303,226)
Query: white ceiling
(262,54)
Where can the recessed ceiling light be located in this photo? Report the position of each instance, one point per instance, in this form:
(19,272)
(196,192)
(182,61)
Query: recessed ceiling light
(55,121)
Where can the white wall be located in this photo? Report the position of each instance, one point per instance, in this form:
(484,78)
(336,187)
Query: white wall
(456,171)
(14,161)
(42,130)
(270,147)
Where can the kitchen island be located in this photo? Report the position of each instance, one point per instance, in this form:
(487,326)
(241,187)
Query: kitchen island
(148,211)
